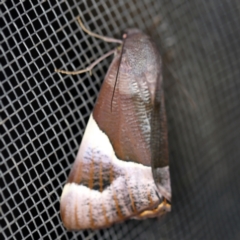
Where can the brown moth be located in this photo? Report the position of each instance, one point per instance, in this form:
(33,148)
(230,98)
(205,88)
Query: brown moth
(121,170)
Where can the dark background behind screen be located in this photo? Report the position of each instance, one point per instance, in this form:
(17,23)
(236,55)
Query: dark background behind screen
(44,114)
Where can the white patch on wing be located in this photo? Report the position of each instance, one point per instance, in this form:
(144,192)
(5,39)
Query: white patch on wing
(132,185)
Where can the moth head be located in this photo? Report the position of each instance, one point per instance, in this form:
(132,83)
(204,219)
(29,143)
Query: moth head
(132,31)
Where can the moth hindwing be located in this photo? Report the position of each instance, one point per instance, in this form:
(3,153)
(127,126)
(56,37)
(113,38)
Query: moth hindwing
(121,170)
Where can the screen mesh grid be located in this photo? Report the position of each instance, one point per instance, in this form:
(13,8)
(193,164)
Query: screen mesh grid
(44,113)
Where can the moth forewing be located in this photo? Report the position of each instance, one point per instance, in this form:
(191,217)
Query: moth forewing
(121,169)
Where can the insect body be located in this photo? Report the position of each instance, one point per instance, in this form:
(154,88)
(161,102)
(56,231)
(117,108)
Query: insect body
(121,170)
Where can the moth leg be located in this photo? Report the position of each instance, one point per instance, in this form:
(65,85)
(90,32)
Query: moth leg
(161,209)
(106,39)
(90,67)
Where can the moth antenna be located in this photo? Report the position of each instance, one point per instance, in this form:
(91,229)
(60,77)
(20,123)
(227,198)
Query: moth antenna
(115,84)
(106,39)
(90,67)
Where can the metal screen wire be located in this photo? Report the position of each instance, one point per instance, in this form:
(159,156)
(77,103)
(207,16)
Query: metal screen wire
(44,113)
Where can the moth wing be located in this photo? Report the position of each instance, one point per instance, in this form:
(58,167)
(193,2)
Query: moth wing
(123,114)
(140,134)
(119,170)
(101,189)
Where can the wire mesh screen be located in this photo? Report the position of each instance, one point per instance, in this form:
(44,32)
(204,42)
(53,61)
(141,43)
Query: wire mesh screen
(44,113)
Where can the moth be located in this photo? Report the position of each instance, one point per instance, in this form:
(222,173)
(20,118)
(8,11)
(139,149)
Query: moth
(122,167)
